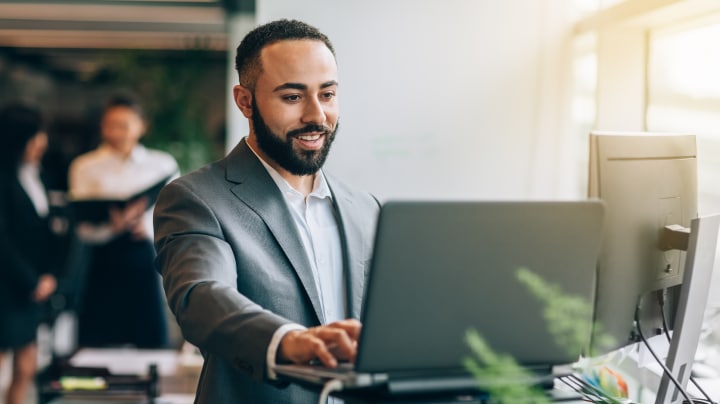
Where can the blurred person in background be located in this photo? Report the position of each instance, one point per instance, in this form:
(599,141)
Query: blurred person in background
(122,301)
(28,246)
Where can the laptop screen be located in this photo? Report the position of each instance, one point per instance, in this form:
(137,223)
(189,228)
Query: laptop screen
(442,268)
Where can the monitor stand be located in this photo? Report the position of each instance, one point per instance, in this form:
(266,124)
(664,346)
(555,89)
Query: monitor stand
(694,292)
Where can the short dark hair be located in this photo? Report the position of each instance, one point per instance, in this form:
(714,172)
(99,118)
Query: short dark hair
(247,59)
(19,123)
(124,100)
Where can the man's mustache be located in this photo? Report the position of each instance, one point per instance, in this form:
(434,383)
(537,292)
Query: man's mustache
(309,129)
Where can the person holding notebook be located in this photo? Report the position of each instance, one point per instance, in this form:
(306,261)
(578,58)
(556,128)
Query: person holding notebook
(122,300)
(264,254)
(31,251)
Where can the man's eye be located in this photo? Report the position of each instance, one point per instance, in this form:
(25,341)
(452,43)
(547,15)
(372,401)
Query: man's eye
(329,95)
(292,97)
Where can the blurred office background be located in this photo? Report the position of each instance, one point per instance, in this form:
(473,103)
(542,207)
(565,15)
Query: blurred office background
(461,99)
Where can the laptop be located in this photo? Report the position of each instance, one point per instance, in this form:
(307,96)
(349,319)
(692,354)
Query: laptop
(440,268)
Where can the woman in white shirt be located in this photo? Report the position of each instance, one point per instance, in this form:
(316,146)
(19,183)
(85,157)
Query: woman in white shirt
(29,249)
(122,301)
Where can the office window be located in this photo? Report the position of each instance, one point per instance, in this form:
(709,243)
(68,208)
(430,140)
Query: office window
(583,109)
(584,105)
(684,96)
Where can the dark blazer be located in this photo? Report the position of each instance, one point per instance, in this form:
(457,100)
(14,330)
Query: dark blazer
(234,270)
(28,249)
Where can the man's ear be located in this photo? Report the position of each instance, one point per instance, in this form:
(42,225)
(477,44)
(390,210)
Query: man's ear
(243,99)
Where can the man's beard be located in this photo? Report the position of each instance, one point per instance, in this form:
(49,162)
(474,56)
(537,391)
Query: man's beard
(300,162)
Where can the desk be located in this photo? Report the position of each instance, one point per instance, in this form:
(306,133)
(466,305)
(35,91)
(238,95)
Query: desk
(177,376)
(642,375)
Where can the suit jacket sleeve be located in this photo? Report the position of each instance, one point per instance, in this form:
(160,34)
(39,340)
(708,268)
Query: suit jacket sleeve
(200,280)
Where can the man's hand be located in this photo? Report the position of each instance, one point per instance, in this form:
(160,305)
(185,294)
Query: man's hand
(45,287)
(129,218)
(328,343)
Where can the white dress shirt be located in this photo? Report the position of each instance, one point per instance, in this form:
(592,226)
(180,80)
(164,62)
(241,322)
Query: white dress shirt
(29,177)
(314,217)
(315,220)
(104,173)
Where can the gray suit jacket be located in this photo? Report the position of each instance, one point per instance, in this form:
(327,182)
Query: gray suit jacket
(234,270)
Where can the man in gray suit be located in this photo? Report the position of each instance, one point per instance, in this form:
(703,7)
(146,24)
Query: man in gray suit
(264,255)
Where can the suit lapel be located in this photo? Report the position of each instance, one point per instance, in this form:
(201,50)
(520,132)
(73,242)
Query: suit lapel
(254,187)
(352,245)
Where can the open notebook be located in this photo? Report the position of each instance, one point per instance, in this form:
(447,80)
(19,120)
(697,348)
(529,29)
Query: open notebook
(440,268)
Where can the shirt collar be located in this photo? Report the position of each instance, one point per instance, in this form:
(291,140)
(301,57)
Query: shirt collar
(29,169)
(320,189)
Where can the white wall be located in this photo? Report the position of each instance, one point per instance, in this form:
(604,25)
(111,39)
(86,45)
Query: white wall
(447,99)
(238,25)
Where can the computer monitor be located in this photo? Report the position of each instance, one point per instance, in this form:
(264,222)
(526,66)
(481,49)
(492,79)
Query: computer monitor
(648,181)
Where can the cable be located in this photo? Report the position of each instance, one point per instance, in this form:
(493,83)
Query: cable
(661,301)
(588,391)
(578,387)
(667,371)
(330,386)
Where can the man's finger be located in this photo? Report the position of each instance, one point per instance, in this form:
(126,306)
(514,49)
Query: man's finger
(351,326)
(321,352)
(338,342)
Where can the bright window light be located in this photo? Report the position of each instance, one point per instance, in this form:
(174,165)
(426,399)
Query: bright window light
(584,105)
(684,96)
(683,65)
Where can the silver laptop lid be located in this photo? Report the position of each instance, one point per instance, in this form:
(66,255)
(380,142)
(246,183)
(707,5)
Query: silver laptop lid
(440,268)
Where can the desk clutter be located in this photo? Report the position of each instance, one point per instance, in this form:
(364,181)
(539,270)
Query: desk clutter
(96,383)
(124,375)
